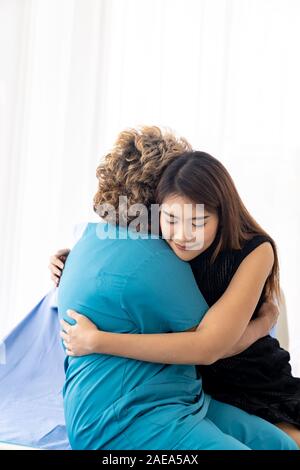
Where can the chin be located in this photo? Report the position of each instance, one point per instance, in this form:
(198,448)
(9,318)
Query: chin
(185,255)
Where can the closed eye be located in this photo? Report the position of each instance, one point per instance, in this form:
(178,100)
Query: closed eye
(202,225)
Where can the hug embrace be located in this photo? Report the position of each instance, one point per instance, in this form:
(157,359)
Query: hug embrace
(166,328)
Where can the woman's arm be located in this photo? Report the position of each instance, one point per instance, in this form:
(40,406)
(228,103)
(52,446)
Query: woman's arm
(84,338)
(257,328)
(221,328)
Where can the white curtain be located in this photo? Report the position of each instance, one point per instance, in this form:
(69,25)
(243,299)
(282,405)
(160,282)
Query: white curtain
(73,73)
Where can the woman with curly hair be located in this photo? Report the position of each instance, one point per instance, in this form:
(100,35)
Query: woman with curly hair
(118,395)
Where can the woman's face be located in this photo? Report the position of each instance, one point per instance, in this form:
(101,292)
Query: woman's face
(187,227)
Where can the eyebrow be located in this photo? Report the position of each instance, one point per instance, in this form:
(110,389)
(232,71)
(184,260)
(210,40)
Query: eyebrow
(193,218)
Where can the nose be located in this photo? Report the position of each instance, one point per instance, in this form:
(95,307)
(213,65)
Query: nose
(183,235)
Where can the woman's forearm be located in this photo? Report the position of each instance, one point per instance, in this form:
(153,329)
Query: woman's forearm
(256,329)
(192,347)
(166,348)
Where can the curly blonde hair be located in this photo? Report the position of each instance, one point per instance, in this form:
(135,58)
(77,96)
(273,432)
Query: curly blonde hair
(133,169)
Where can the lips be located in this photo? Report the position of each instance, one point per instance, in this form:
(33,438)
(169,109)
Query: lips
(180,247)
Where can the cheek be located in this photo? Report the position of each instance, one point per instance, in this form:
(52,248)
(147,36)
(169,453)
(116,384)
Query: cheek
(210,234)
(166,229)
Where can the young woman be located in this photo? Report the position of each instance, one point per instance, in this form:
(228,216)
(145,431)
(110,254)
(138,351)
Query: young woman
(140,286)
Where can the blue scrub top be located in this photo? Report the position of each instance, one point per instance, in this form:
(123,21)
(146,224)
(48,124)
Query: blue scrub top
(135,285)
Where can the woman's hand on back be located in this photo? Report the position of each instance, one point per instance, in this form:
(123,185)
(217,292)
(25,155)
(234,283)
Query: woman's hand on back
(57,263)
(81,338)
(258,328)
(269,313)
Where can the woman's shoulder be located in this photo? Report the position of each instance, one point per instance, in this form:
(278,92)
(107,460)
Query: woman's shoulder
(249,245)
(253,242)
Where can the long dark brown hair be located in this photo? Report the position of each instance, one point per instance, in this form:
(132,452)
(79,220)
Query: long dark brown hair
(204,180)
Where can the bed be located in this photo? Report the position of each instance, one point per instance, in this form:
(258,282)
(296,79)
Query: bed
(31,381)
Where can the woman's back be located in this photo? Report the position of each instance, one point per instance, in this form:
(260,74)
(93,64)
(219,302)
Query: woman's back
(127,285)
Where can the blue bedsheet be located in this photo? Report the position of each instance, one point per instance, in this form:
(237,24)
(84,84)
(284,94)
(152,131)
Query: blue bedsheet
(31,381)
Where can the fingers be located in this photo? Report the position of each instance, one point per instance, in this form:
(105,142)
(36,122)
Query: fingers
(66,341)
(54,270)
(65,326)
(55,274)
(55,279)
(68,349)
(63,252)
(55,261)
(64,336)
(73,314)
(70,353)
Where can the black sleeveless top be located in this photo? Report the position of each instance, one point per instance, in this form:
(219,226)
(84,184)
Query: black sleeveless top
(259,379)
